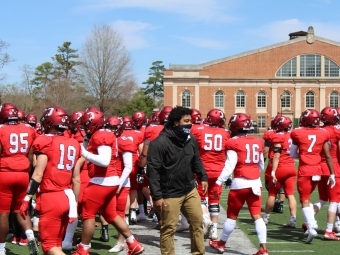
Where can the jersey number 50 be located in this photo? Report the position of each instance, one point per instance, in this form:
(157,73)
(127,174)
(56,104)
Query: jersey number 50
(213,142)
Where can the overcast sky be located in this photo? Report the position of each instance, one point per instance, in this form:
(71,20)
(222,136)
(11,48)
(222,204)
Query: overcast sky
(173,31)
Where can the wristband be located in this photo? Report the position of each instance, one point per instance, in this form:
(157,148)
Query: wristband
(32,187)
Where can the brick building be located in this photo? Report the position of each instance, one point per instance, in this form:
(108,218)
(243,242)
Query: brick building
(288,77)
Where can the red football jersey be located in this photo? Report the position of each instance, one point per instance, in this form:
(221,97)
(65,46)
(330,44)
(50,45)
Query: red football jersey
(249,150)
(142,130)
(310,142)
(334,137)
(194,127)
(103,137)
(129,141)
(62,153)
(16,141)
(79,135)
(152,132)
(212,143)
(267,136)
(283,138)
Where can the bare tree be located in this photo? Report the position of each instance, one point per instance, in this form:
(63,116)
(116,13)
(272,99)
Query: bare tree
(106,67)
(4,57)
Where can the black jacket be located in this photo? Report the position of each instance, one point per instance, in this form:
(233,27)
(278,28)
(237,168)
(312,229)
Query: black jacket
(171,165)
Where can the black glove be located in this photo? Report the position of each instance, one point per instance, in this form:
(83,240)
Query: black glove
(140,178)
(228,182)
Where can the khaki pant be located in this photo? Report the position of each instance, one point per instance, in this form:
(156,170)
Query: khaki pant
(190,205)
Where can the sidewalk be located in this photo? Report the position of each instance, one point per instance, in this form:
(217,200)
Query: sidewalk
(238,242)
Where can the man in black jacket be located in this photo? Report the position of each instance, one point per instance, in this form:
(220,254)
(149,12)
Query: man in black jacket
(173,160)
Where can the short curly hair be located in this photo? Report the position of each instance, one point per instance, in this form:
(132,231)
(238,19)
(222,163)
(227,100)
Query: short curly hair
(177,113)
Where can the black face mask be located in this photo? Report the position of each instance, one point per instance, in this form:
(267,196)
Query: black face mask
(182,131)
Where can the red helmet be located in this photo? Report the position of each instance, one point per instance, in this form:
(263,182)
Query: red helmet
(127,123)
(239,121)
(31,119)
(75,123)
(54,117)
(196,116)
(139,119)
(329,115)
(216,117)
(115,124)
(164,114)
(283,123)
(310,117)
(274,120)
(92,108)
(21,116)
(8,112)
(155,117)
(92,120)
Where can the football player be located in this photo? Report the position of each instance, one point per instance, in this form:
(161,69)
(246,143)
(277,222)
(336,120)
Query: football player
(53,175)
(212,139)
(245,161)
(308,141)
(16,160)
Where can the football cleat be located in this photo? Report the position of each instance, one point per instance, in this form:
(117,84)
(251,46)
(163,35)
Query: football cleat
(182,227)
(104,235)
(330,236)
(261,252)
(213,234)
(207,227)
(15,240)
(311,234)
(81,251)
(33,247)
(217,245)
(278,207)
(23,242)
(118,247)
(290,224)
(134,248)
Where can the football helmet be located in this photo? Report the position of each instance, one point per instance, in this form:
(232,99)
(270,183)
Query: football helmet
(239,121)
(164,114)
(139,119)
(283,123)
(8,112)
(274,120)
(216,118)
(310,117)
(115,124)
(21,116)
(329,115)
(92,120)
(31,119)
(75,123)
(54,117)
(196,117)
(155,118)
(127,123)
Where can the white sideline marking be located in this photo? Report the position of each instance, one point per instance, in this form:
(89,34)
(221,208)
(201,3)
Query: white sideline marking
(284,243)
(273,229)
(292,251)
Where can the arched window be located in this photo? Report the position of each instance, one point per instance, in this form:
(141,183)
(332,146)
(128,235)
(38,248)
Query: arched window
(240,99)
(219,99)
(285,99)
(334,99)
(310,99)
(310,66)
(331,68)
(186,99)
(288,69)
(261,99)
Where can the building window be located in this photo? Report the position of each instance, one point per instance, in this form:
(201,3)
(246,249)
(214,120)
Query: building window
(310,99)
(285,99)
(334,99)
(240,99)
(331,69)
(219,99)
(261,99)
(261,121)
(186,98)
(288,69)
(310,66)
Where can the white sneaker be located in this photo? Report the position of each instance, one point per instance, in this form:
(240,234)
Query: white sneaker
(290,224)
(207,227)
(66,246)
(311,234)
(133,217)
(182,227)
(154,218)
(141,217)
(266,220)
(213,234)
(118,247)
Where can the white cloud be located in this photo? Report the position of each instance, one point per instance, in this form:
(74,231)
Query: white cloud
(204,43)
(133,33)
(278,31)
(206,10)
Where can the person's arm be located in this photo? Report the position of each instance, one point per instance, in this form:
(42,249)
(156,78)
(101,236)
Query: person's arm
(294,151)
(277,153)
(154,166)
(330,165)
(103,157)
(143,155)
(267,145)
(228,168)
(127,161)
(76,177)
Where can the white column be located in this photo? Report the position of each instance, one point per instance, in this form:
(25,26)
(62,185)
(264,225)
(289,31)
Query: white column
(174,95)
(274,101)
(298,101)
(197,97)
(322,99)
